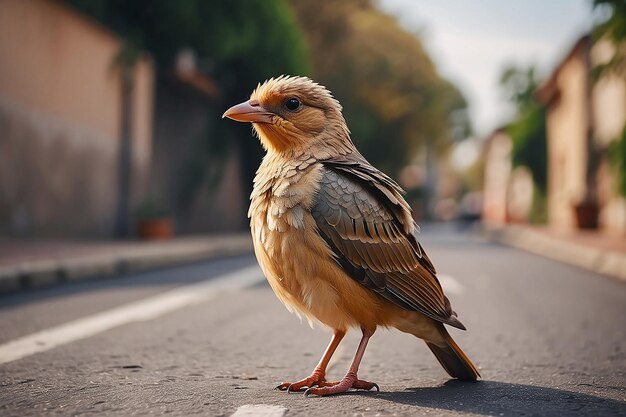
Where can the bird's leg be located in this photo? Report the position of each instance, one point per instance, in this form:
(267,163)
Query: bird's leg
(350,380)
(319,373)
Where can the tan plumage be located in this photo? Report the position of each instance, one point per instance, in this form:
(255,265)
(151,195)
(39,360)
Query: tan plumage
(334,236)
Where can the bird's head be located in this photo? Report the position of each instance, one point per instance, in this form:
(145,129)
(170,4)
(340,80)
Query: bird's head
(292,113)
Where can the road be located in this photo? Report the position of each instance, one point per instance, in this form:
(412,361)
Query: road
(211,339)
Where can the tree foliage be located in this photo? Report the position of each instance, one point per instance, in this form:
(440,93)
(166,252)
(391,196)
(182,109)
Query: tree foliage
(394,100)
(237,42)
(617,157)
(613,28)
(393,97)
(255,38)
(528,130)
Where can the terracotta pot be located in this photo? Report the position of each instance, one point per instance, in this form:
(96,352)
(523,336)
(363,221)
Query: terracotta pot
(156,229)
(587,215)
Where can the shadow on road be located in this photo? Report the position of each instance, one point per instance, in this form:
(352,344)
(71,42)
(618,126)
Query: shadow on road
(500,398)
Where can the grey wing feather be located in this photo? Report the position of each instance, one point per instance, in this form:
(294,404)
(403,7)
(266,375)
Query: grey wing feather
(362,216)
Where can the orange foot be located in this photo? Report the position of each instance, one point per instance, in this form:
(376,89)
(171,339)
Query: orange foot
(339,387)
(316,378)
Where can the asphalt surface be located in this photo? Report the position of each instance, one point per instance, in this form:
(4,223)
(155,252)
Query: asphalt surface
(548,338)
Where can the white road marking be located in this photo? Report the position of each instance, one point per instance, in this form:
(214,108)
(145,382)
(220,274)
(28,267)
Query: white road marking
(141,310)
(450,284)
(260,410)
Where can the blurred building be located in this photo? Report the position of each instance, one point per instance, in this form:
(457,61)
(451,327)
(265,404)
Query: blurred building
(507,190)
(183,116)
(65,106)
(61,113)
(498,167)
(520,195)
(583,117)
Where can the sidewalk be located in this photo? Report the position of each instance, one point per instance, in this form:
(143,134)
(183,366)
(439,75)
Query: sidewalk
(34,263)
(586,249)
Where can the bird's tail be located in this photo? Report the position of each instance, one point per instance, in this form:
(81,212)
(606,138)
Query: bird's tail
(453,359)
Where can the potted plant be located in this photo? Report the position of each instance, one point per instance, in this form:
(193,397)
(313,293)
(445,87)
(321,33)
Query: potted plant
(154,222)
(586,213)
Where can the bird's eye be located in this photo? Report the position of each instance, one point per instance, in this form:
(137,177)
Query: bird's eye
(292,104)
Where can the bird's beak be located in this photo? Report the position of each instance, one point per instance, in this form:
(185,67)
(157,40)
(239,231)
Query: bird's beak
(249,111)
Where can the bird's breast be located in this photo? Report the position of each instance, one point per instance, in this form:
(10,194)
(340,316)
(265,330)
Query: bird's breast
(294,258)
(280,216)
(298,264)
(283,193)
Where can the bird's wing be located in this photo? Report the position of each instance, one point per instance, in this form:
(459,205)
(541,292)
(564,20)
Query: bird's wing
(361,215)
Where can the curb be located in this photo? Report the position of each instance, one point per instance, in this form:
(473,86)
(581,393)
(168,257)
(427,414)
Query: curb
(601,261)
(151,256)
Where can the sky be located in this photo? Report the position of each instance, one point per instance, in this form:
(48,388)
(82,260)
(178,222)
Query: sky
(471,41)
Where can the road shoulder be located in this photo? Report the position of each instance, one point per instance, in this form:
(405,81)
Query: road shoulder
(53,265)
(578,252)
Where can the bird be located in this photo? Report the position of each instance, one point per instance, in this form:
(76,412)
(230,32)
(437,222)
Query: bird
(334,236)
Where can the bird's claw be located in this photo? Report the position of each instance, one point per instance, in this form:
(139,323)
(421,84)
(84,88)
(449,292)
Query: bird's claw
(340,387)
(316,379)
(290,389)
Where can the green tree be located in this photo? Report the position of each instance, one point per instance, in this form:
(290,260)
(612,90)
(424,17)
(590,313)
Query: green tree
(613,29)
(394,100)
(528,130)
(237,42)
(617,158)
